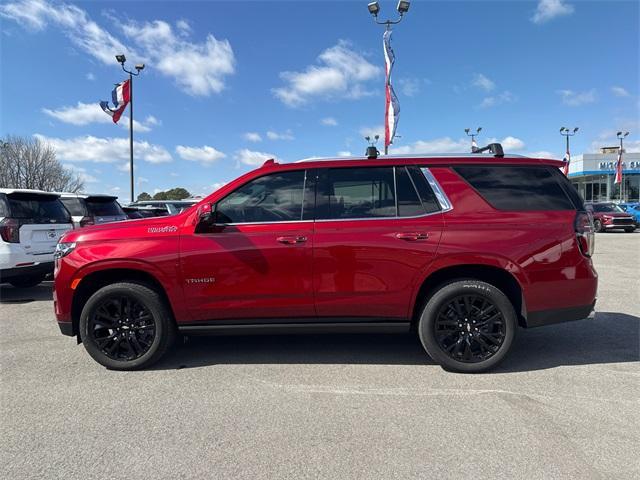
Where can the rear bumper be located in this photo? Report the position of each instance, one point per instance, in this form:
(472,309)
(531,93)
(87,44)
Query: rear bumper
(8,274)
(550,317)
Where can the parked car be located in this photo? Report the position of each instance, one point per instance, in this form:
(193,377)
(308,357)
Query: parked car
(132,213)
(31,222)
(148,212)
(609,216)
(92,209)
(171,206)
(462,249)
(632,209)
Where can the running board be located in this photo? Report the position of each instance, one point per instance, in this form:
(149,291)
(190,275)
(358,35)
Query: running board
(295,328)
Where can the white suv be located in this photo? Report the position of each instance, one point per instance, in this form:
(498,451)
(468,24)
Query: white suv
(31,222)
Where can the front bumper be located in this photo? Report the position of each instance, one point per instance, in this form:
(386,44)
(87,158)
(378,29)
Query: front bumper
(8,274)
(550,317)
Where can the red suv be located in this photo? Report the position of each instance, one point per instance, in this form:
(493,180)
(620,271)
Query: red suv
(462,249)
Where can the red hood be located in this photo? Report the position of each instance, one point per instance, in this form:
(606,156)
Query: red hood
(127,229)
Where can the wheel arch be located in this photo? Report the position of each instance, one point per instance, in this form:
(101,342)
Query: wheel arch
(95,280)
(494,275)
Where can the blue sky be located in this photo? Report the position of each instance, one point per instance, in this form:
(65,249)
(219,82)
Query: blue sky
(228,84)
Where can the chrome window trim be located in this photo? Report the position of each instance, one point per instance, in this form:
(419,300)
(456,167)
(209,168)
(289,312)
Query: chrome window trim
(443,200)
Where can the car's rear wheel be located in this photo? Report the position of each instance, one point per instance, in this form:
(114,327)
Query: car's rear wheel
(467,326)
(597,225)
(126,326)
(27,282)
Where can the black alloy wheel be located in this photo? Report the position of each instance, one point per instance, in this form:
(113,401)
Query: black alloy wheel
(470,328)
(597,225)
(122,328)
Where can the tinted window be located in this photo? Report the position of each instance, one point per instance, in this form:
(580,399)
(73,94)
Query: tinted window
(517,188)
(273,198)
(607,207)
(569,188)
(359,193)
(37,208)
(409,204)
(75,206)
(103,207)
(429,200)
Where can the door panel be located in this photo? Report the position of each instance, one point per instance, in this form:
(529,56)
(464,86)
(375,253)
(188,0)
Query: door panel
(244,271)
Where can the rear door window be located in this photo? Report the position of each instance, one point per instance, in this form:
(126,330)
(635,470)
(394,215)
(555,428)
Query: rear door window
(37,208)
(75,206)
(517,188)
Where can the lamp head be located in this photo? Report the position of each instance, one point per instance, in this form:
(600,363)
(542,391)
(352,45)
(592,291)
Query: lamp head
(374,8)
(403,7)
(619,134)
(479,130)
(466,130)
(626,133)
(139,66)
(576,129)
(121,58)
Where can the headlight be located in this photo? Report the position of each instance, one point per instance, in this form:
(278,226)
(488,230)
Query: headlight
(63,249)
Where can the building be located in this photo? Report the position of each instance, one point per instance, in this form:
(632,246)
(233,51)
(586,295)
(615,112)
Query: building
(593,175)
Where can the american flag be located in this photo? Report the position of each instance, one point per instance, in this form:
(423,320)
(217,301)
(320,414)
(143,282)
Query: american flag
(392,107)
(567,161)
(618,178)
(120,98)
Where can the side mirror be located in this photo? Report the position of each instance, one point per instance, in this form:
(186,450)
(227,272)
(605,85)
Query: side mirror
(206,214)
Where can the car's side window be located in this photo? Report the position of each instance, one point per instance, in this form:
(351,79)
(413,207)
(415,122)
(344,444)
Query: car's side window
(278,197)
(429,200)
(409,204)
(359,193)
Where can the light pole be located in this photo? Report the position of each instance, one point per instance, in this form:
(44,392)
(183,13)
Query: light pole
(474,145)
(565,132)
(139,67)
(392,108)
(621,136)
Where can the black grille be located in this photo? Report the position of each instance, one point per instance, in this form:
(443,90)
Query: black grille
(623,221)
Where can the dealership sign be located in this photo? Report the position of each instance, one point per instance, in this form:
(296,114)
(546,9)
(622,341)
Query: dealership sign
(612,165)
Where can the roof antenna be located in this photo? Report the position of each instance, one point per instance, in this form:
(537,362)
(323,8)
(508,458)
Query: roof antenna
(372,151)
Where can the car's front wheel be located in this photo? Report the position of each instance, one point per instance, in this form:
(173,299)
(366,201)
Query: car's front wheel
(597,225)
(126,326)
(467,326)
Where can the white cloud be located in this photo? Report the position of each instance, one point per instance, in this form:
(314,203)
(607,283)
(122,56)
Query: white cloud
(576,99)
(409,86)
(512,143)
(124,167)
(218,186)
(183,26)
(543,154)
(205,155)
(620,92)
(141,180)
(344,153)
(174,174)
(372,131)
(287,135)
(90,76)
(81,172)
(340,73)
(253,158)
(483,82)
(252,137)
(500,99)
(437,145)
(86,113)
(197,68)
(104,150)
(329,122)
(550,9)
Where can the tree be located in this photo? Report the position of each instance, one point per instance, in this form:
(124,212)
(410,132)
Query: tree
(31,163)
(177,193)
(144,196)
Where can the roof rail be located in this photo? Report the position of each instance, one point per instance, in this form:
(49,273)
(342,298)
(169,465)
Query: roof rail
(494,148)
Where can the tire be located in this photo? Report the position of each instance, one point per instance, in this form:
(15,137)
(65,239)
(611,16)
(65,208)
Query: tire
(126,326)
(27,282)
(453,316)
(597,225)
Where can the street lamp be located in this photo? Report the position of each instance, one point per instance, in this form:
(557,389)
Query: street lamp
(121,59)
(474,145)
(392,108)
(621,136)
(566,132)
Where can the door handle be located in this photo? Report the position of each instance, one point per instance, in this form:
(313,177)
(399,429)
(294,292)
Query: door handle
(292,239)
(412,236)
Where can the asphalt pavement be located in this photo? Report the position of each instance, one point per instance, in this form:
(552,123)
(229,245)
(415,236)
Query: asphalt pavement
(564,404)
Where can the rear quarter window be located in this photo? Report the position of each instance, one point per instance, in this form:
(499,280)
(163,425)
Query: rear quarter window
(517,188)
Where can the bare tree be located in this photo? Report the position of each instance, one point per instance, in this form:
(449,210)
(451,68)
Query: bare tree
(31,163)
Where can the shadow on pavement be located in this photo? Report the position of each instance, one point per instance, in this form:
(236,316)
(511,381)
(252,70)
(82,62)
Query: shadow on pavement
(9,294)
(609,338)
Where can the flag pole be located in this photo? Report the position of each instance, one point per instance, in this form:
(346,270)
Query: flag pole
(131,136)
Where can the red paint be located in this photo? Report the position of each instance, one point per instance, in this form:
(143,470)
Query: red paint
(352,268)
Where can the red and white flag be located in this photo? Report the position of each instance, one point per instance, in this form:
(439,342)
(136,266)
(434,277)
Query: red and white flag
(392,107)
(567,161)
(120,98)
(618,178)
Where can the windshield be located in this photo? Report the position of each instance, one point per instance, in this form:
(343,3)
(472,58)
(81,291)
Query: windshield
(37,208)
(607,207)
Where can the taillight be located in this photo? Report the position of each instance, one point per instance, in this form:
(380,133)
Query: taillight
(585,233)
(10,230)
(85,221)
